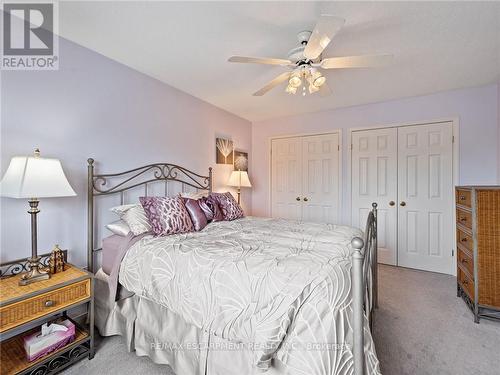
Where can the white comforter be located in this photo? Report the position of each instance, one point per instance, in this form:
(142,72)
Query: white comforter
(283,288)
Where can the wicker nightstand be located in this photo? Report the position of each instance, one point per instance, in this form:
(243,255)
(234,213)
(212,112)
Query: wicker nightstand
(22,307)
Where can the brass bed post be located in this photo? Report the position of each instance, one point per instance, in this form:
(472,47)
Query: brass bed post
(90,215)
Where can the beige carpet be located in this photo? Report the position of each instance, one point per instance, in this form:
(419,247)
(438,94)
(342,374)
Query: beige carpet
(421,328)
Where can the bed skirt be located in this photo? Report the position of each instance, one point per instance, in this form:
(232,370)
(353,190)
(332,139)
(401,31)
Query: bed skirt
(154,331)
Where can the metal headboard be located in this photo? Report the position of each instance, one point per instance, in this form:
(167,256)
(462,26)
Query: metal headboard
(365,288)
(118,183)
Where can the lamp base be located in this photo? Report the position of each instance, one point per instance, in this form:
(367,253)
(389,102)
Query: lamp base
(35,274)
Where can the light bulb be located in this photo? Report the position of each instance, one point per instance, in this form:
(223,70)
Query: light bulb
(295,81)
(291,90)
(303,91)
(313,89)
(319,81)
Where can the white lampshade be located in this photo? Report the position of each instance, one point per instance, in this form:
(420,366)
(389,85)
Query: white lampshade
(239,179)
(35,177)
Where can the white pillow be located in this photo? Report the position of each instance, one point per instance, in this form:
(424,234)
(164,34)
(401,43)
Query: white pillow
(197,195)
(118,227)
(134,216)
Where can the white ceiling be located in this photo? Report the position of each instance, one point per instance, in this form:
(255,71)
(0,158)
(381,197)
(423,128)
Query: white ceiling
(437,46)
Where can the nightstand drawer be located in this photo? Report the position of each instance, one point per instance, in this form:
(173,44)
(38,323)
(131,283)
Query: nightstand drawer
(21,312)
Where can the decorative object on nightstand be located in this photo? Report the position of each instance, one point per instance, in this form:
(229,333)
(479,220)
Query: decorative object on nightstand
(239,179)
(33,177)
(38,303)
(56,261)
(478,249)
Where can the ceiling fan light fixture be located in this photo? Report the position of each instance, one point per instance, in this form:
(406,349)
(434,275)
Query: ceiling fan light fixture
(291,90)
(313,89)
(319,81)
(295,80)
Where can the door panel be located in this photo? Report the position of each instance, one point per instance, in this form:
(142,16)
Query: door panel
(320,158)
(425,236)
(374,179)
(286,172)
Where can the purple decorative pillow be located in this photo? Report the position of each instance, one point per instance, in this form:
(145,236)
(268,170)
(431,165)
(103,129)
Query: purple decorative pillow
(197,215)
(167,215)
(202,202)
(230,208)
(211,209)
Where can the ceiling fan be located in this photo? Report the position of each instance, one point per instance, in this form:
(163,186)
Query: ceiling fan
(305,62)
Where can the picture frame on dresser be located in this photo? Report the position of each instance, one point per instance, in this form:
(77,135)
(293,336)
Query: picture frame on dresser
(23,309)
(478,249)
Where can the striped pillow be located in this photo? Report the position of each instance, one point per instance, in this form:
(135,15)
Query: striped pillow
(134,216)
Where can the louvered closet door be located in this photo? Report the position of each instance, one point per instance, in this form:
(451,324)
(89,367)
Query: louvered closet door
(425,164)
(320,178)
(286,182)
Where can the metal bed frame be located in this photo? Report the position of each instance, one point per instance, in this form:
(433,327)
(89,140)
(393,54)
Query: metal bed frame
(364,258)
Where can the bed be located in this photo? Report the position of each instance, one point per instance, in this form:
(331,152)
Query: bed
(253,295)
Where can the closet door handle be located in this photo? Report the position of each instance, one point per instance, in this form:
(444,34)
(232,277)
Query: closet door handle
(402,204)
(297,199)
(392,203)
(305,199)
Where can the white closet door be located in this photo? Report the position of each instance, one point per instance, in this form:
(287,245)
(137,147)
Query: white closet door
(320,178)
(374,179)
(286,182)
(425,238)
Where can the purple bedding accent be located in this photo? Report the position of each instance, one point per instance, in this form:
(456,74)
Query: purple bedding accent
(114,249)
(197,215)
(110,251)
(167,215)
(230,208)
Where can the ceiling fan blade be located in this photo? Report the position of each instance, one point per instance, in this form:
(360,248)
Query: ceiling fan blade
(275,82)
(259,60)
(367,61)
(325,90)
(323,33)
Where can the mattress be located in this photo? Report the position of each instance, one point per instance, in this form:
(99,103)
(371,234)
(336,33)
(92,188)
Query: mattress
(280,289)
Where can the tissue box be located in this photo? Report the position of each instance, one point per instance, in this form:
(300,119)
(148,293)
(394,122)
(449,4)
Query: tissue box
(37,346)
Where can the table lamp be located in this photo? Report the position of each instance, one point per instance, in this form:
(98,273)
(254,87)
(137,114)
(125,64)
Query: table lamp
(33,177)
(239,179)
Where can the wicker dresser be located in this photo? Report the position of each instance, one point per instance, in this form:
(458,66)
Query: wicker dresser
(478,249)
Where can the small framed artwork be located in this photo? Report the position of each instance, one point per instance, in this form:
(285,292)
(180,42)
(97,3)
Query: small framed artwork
(240,161)
(224,151)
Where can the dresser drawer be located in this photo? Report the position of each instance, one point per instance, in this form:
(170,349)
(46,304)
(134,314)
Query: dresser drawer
(464,239)
(463,197)
(464,218)
(466,283)
(466,261)
(21,312)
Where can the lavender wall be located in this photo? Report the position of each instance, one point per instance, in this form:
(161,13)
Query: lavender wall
(95,107)
(476,109)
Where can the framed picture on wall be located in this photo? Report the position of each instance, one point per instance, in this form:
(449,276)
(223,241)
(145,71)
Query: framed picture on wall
(240,161)
(224,151)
